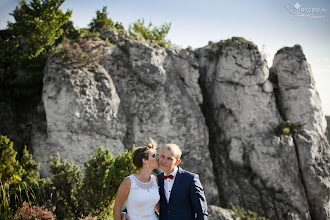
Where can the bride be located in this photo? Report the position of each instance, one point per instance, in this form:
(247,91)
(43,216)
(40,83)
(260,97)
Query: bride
(140,190)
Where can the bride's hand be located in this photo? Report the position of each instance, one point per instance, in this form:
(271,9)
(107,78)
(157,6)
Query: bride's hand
(124,216)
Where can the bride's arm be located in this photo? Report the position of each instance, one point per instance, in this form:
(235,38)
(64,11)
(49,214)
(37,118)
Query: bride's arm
(157,208)
(121,197)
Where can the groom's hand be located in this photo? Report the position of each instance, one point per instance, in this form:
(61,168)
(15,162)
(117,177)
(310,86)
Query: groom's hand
(124,216)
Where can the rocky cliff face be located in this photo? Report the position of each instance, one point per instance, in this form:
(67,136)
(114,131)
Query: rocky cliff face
(131,94)
(221,104)
(327,133)
(253,166)
(300,103)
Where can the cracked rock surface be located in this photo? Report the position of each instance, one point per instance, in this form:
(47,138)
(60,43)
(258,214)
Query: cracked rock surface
(300,103)
(134,92)
(254,167)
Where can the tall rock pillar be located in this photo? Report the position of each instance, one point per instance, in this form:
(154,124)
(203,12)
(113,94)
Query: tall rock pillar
(300,104)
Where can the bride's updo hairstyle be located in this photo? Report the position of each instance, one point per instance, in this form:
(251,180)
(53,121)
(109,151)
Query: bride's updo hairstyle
(142,152)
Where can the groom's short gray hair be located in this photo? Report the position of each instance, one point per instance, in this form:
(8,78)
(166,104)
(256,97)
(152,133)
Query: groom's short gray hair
(175,149)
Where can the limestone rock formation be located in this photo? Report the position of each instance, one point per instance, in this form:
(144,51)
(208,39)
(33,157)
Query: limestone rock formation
(221,104)
(218,213)
(327,133)
(254,167)
(300,103)
(134,92)
(160,99)
(82,112)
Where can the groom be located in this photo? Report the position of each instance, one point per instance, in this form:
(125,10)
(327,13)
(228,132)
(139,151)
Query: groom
(181,193)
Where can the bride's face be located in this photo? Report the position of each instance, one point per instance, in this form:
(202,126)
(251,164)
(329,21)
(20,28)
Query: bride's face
(153,159)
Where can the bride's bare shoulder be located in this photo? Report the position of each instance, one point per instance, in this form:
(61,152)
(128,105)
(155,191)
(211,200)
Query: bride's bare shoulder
(126,182)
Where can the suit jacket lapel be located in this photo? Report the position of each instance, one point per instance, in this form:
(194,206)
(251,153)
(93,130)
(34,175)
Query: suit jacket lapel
(177,181)
(161,187)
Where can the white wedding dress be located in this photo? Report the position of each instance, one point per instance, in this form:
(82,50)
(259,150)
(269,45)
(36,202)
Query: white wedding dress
(142,199)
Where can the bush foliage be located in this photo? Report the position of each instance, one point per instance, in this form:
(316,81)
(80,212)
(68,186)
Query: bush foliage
(20,180)
(67,195)
(39,27)
(243,214)
(38,24)
(67,180)
(287,128)
(103,22)
(149,32)
(26,44)
(97,189)
(9,167)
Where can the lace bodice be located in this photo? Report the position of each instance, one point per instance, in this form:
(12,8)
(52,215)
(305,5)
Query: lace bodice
(142,199)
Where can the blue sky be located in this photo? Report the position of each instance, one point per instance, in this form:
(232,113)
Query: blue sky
(268,23)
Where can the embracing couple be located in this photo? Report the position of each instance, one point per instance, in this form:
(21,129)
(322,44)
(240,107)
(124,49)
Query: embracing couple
(175,194)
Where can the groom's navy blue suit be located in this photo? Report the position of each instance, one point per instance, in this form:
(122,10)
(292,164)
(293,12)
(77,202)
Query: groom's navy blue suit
(187,199)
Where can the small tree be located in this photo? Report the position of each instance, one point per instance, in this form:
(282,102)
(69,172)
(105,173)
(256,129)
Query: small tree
(69,31)
(104,174)
(67,182)
(9,166)
(122,167)
(39,24)
(150,32)
(103,22)
(96,188)
(30,167)
(241,213)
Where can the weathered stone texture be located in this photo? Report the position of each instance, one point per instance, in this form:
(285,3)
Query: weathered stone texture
(137,91)
(220,104)
(254,168)
(82,113)
(300,103)
(160,98)
(327,133)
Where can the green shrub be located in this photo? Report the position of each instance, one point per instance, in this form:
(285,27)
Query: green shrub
(8,53)
(13,170)
(243,214)
(96,188)
(79,55)
(95,194)
(72,54)
(85,33)
(239,39)
(30,167)
(122,167)
(6,212)
(103,22)
(19,180)
(149,33)
(287,128)
(103,175)
(14,193)
(23,192)
(69,31)
(9,166)
(67,184)
(39,24)
(41,193)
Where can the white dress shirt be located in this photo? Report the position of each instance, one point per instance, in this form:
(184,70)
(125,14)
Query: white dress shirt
(168,184)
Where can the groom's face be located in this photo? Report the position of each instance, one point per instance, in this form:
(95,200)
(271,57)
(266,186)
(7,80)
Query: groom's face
(167,160)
